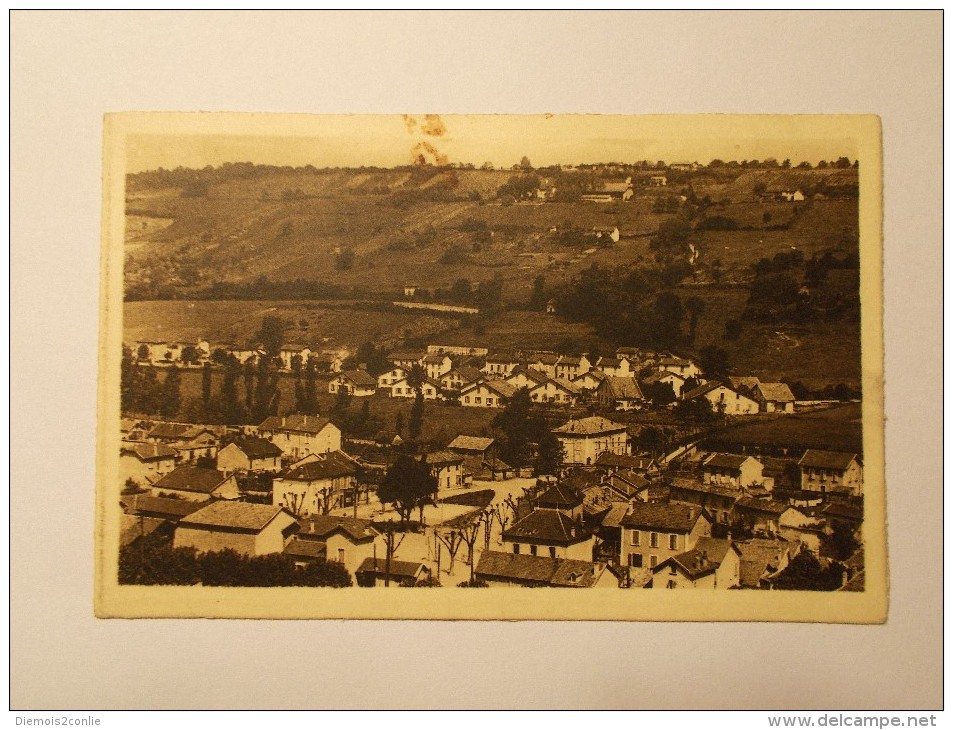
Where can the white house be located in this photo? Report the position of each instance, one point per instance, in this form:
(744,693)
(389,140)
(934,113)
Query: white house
(737,471)
(723,399)
(585,439)
(652,532)
(392,376)
(249,529)
(436,364)
(317,485)
(196,484)
(145,462)
(712,563)
(619,367)
(249,454)
(447,468)
(676,381)
(348,541)
(358,383)
(500,365)
(289,352)
(679,366)
(555,391)
(569,367)
(299,435)
(430,389)
(831,471)
(774,397)
(487,394)
(524,377)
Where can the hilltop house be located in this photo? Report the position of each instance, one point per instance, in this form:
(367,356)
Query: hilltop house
(196,484)
(145,462)
(358,383)
(620,393)
(317,484)
(250,453)
(723,399)
(652,532)
(299,435)
(712,563)
(488,394)
(831,471)
(585,439)
(248,529)
(774,397)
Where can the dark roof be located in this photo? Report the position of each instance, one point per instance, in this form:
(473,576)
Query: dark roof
(435,458)
(533,374)
(358,377)
(702,389)
(466,372)
(296,423)
(662,516)
(589,426)
(623,461)
(559,495)
(245,516)
(501,358)
(622,388)
(704,558)
(192,479)
(505,390)
(547,526)
(580,478)
(323,526)
(331,465)
(398,568)
(132,527)
(766,506)
(843,511)
(257,448)
(761,556)
(537,569)
(298,548)
(826,459)
(694,485)
(628,483)
(172,509)
(148,451)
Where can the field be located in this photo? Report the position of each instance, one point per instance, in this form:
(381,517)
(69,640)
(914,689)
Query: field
(837,429)
(441,422)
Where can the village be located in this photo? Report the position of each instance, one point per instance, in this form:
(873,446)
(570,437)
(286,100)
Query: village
(560,494)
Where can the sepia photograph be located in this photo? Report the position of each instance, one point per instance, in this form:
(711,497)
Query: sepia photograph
(632,362)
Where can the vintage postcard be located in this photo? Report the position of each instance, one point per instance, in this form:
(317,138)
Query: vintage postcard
(632,362)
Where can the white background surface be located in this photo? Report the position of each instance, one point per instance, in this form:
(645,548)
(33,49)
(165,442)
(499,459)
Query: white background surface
(67,69)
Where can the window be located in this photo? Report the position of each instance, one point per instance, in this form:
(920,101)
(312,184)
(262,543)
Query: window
(670,584)
(673,542)
(532,549)
(653,540)
(340,555)
(478,400)
(635,560)
(516,549)
(673,570)
(636,538)
(466,399)
(552,552)
(653,561)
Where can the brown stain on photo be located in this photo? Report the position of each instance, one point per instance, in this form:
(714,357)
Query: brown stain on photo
(433,126)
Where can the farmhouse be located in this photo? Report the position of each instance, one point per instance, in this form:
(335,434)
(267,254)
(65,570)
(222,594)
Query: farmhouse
(196,484)
(653,532)
(145,462)
(392,377)
(299,435)
(569,367)
(620,393)
(249,454)
(429,388)
(317,485)
(447,468)
(348,540)
(501,568)
(248,529)
(831,471)
(712,563)
(358,383)
(774,397)
(723,399)
(488,394)
(585,439)
(549,532)
(734,471)
(480,446)
(555,391)
(459,377)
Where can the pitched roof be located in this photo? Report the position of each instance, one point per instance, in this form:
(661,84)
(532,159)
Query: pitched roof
(662,516)
(500,358)
(505,390)
(589,426)
(702,389)
(467,372)
(443,457)
(192,479)
(760,556)
(398,568)
(765,506)
(255,447)
(299,548)
(615,514)
(332,465)
(132,527)
(776,392)
(816,458)
(623,461)
(726,461)
(295,423)
(358,377)
(658,376)
(704,558)
(622,388)
(561,572)
(559,495)
(323,526)
(407,355)
(245,516)
(567,385)
(172,509)
(178,431)
(536,376)
(594,373)
(547,358)
(694,485)
(744,381)
(471,443)
(547,526)
(435,358)
(843,511)
(147,451)
(609,362)
(628,483)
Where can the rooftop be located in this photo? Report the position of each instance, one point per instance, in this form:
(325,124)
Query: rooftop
(296,423)
(589,426)
(818,459)
(556,572)
(662,516)
(192,479)
(547,526)
(244,516)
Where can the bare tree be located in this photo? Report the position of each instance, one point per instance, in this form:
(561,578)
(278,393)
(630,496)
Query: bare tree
(469,533)
(294,502)
(391,544)
(452,541)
